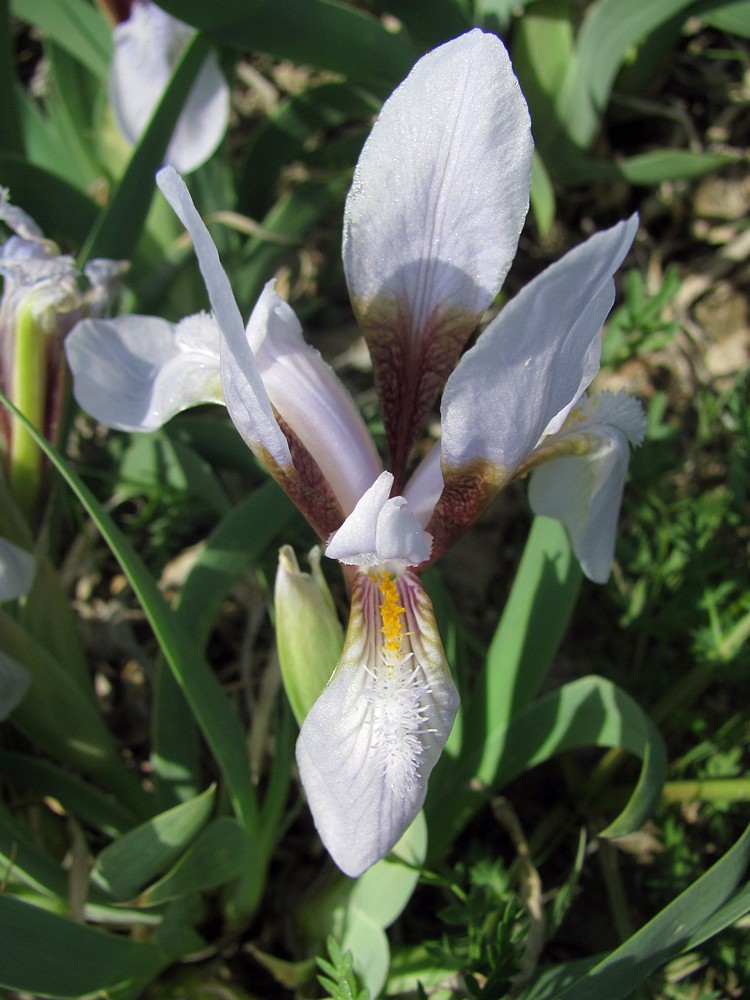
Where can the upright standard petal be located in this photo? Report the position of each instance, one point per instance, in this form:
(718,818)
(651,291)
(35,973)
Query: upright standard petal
(286,402)
(135,373)
(314,407)
(258,424)
(432,220)
(148,46)
(369,743)
(579,474)
(523,376)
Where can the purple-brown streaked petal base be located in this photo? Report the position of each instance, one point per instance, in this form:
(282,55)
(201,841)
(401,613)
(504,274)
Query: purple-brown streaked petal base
(410,366)
(467,491)
(371,740)
(304,484)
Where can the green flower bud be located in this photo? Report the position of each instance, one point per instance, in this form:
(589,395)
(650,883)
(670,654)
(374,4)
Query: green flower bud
(309,636)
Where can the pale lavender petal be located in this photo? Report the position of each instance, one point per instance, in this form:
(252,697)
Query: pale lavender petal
(136,372)
(18,220)
(311,400)
(432,222)
(368,745)
(534,360)
(425,486)
(244,392)
(380,529)
(585,492)
(578,475)
(441,189)
(16,571)
(147,48)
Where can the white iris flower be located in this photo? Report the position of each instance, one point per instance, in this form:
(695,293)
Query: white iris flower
(148,46)
(431,226)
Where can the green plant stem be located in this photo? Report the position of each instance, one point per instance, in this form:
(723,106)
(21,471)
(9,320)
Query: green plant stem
(29,387)
(615,890)
(710,790)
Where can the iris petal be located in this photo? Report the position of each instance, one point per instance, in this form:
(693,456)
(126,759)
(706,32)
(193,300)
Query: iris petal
(369,743)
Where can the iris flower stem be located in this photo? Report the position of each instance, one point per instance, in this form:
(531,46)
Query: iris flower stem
(29,385)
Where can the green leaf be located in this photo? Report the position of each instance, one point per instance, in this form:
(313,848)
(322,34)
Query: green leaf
(11,138)
(532,626)
(220,853)
(69,106)
(86,803)
(208,703)
(64,213)
(238,540)
(533,623)
(46,955)
(732,17)
(609,29)
(647,169)
(22,862)
(75,26)
(676,928)
(587,712)
(542,196)
(135,858)
(58,716)
(542,51)
(322,33)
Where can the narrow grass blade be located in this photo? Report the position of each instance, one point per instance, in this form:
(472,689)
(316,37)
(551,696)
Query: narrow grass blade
(74,25)
(88,804)
(677,927)
(207,701)
(322,33)
(11,138)
(609,29)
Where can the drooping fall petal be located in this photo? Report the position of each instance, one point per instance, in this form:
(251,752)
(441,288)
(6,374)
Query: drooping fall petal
(369,743)
(432,221)
(136,372)
(579,474)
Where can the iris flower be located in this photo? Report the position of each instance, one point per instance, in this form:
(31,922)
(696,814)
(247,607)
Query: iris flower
(431,226)
(44,295)
(148,45)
